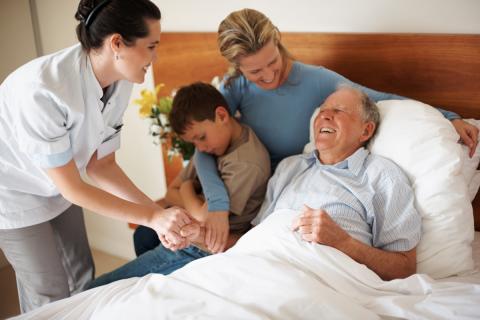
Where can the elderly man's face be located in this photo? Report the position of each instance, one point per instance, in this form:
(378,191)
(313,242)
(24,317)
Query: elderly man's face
(339,126)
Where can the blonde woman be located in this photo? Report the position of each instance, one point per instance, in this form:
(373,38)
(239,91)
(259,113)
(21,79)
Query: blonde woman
(60,116)
(276,97)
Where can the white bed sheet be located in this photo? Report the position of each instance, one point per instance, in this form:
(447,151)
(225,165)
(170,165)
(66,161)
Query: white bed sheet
(272,274)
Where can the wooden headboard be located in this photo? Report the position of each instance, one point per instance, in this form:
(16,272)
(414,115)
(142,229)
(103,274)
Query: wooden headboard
(441,70)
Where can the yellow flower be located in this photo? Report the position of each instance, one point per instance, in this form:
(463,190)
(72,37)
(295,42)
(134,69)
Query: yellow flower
(157,108)
(148,100)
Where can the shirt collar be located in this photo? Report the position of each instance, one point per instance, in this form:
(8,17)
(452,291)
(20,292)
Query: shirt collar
(91,80)
(93,85)
(353,163)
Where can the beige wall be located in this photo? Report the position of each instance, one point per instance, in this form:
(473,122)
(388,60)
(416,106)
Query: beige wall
(56,24)
(16,32)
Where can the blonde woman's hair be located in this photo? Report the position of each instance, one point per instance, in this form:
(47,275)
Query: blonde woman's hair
(245,32)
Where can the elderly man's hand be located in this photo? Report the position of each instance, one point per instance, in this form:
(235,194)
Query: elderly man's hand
(217,230)
(468,134)
(315,225)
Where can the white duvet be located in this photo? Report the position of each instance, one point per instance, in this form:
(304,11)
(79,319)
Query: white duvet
(271,274)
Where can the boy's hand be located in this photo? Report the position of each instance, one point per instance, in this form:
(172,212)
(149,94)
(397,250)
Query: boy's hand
(172,246)
(217,229)
(191,231)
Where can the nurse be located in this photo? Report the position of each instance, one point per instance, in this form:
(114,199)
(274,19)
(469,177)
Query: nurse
(60,117)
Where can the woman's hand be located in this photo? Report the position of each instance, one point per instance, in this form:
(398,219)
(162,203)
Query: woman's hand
(168,223)
(468,134)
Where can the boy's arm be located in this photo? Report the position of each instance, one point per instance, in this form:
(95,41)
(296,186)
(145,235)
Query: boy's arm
(173,197)
(192,202)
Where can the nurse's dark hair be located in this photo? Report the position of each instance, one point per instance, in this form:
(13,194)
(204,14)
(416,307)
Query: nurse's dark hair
(101,18)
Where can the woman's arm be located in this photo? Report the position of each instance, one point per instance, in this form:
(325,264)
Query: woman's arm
(468,133)
(214,189)
(378,96)
(164,221)
(111,178)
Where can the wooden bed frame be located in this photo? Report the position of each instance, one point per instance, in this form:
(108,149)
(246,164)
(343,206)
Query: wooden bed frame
(441,69)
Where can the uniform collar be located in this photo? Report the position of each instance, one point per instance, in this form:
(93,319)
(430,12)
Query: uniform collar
(93,86)
(353,163)
(91,80)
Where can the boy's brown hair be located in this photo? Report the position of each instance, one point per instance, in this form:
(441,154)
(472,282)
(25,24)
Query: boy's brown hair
(195,102)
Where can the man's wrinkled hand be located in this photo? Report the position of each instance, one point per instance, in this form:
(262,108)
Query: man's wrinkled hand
(316,225)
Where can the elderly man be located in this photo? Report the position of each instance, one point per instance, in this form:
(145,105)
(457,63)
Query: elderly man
(349,199)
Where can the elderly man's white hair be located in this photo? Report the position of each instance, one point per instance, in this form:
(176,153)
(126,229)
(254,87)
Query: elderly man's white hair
(369,107)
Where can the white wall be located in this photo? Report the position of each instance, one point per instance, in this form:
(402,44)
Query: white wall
(425,16)
(140,159)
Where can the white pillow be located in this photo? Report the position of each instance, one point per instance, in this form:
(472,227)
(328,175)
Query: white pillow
(424,144)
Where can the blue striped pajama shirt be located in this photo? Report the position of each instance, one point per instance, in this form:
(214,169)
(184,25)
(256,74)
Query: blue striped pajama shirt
(367,195)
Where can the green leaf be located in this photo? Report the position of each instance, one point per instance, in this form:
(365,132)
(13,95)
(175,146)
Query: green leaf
(165,105)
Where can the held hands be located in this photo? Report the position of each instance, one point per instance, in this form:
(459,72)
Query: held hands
(189,232)
(168,224)
(468,134)
(315,225)
(217,229)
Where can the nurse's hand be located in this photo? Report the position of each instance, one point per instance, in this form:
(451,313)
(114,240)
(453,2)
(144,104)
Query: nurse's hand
(168,223)
(191,232)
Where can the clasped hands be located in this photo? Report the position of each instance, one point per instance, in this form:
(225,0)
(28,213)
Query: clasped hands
(177,229)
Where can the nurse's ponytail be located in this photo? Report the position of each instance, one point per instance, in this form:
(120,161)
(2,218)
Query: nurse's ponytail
(101,18)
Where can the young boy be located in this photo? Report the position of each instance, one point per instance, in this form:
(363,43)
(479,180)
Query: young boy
(200,115)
